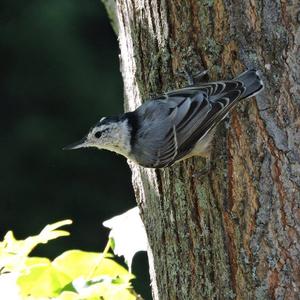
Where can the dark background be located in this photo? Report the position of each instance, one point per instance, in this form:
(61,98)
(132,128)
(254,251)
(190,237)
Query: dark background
(59,74)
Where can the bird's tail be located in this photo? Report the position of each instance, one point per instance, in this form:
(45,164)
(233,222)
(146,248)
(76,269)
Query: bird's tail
(252,82)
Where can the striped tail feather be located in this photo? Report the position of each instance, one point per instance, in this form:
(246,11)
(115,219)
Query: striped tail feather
(252,83)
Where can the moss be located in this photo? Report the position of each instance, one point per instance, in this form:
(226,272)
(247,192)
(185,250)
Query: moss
(216,69)
(213,47)
(252,56)
(202,196)
(180,189)
(261,293)
(209,3)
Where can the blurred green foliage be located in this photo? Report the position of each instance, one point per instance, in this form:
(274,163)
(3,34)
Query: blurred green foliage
(59,75)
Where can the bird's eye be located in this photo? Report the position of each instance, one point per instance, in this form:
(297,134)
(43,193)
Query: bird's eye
(98,134)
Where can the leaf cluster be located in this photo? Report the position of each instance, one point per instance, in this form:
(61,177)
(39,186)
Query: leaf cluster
(73,275)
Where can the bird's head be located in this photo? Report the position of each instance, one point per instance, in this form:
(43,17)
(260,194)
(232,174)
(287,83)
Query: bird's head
(110,133)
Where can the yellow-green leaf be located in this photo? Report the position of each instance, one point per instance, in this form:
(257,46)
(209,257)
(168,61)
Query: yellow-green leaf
(14,252)
(76,263)
(42,280)
(69,296)
(107,290)
(35,261)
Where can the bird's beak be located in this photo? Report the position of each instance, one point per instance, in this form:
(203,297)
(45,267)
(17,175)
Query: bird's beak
(77,145)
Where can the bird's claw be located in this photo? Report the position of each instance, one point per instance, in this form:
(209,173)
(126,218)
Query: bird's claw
(191,78)
(199,75)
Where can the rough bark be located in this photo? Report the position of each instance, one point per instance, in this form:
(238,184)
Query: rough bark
(235,233)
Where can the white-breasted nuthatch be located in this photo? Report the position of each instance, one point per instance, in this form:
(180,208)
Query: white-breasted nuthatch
(174,126)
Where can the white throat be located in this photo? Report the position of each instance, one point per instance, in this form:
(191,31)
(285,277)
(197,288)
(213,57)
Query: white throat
(121,142)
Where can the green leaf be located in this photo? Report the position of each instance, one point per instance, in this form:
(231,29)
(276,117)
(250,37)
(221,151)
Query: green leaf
(50,232)
(106,290)
(42,280)
(74,275)
(13,253)
(69,296)
(76,263)
(35,261)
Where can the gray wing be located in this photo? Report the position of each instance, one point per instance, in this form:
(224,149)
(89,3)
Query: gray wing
(174,123)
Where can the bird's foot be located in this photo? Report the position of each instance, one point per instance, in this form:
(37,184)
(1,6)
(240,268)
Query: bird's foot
(192,78)
(200,74)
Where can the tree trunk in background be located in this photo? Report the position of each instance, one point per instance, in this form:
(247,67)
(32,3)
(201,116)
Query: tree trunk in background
(233,234)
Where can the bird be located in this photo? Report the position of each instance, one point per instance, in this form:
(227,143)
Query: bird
(173,126)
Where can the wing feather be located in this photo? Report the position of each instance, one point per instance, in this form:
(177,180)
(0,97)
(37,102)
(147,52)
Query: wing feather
(173,124)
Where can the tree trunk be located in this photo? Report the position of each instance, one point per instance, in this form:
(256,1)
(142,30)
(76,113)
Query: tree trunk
(233,234)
